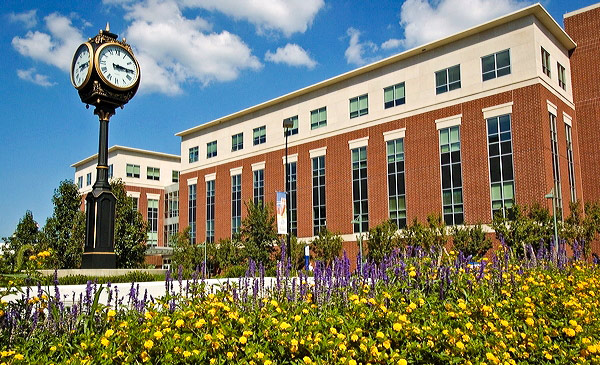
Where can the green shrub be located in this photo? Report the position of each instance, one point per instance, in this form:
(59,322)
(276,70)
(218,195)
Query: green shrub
(326,246)
(382,240)
(471,240)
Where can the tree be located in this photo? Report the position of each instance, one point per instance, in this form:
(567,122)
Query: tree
(579,229)
(187,254)
(26,233)
(131,231)
(471,240)
(432,235)
(258,232)
(226,253)
(326,246)
(382,239)
(64,232)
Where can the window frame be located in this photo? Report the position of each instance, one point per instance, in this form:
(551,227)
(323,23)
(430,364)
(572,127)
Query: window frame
(259,135)
(360,193)
(319,122)
(236,203)
(174,176)
(237,142)
(133,173)
(291,131)
(152,173)
(319,193)
(500,146)
(211,149)
(393,177)
(193,154)
(395,101)
(456,215)
(447,86)
(546,62)
(210,210)
(495,70)
(562,76)
(359,112)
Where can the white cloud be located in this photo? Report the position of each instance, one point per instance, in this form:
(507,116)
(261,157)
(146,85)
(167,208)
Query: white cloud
(357,50)
(286,16)
(425,21)
(292,55)
(28,18)
(54,48)
(173,49)
(31,76)
(391,43)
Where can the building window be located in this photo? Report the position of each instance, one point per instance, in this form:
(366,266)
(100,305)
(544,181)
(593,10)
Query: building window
(318,118)
(555,166)
(236,203)
(318,185)
(502,188)
(545,62)
(192,212)
(452,197)
(259,135)
(294,129)
(88,179)
(447,79)
(172,204)
(562,78)
(237,142)
(134,203)
(359,106)
(495,65)
(110,171)
(174,176)
(210,211)
(153,173)
(132,171)
(258,185)
(570,162)
(293,201)
(394,95)
(396,187)
(360,202)
(193,154)
(80,182)
(152,222)
(211,149)
(170,233)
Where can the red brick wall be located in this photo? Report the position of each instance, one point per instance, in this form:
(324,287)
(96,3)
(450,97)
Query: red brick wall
(143,207)
(532,161)
(585,68)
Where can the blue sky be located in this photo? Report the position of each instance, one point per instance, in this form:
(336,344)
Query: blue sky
(200,60)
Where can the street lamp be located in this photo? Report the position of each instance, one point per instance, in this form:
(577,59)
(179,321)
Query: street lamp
(358,220)
(287,125)
(551,195)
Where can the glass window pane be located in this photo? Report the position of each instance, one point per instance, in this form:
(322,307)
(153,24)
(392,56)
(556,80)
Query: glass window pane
(388,94)
(492,126)
(454,74)
(444,135)
(503,59)
(487,63)
(440,78)
(457,195)
(454,135)
(508,190)
(496,191)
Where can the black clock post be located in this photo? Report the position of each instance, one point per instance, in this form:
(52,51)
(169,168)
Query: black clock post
(97,82)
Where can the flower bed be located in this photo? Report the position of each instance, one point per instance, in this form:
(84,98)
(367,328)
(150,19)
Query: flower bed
(412,308)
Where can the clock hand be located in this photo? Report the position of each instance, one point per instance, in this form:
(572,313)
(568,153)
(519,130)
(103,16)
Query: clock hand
(121,68)
(82,66)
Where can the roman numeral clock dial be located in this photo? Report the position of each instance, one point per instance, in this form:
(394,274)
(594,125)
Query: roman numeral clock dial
(81,67)
(116,66)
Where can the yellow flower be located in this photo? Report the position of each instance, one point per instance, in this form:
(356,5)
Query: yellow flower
(296,318)
(53,348)
(105,342)
(108,333)
(243,340)
(19,357)
(380,334)
(307,360)
(460,345)
(179,323)
(260,355)
(268,362)
(158,335)
(569,332)
(83,345)
(530,321)
(351,362)
(386,344)
(111,314)
(397,326)
(402,362)
(412,274)
(230,355)
(187,353)
(148,344)
(284,326)
(342,347)
(148,315)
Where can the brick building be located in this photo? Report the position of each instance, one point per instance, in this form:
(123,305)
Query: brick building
(462,127)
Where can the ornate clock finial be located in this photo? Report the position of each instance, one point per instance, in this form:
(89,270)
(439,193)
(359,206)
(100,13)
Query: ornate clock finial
(107,27)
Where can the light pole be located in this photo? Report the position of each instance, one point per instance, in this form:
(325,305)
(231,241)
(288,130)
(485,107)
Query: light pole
(287,125)
(358,220)
(551,195)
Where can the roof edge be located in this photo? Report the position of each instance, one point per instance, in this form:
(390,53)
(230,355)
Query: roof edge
(127,149)
(582,10)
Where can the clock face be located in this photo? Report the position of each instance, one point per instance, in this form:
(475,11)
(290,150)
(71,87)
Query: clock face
(81,66)
(116,66)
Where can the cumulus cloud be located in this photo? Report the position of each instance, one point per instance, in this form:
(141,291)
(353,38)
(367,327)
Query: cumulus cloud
(427,20)
(55,47)
(357,51)
(292,55)
(28,18)
(286,16)
(173,49)
(31,76)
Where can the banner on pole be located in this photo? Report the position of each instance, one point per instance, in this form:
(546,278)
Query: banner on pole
(281,213)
